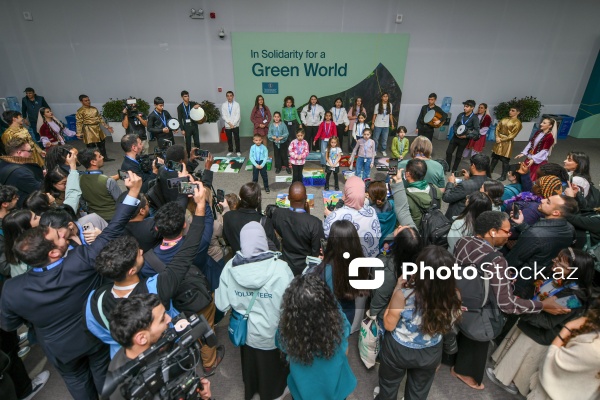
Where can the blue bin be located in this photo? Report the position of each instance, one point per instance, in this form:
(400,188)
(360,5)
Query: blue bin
(71,122)
(564,124)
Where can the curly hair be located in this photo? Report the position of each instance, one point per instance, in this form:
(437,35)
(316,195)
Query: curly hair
(311,324)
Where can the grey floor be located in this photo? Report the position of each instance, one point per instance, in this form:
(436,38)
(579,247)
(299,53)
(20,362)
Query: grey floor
(227,383)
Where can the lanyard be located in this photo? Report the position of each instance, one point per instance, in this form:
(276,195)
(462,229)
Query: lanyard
(300,148)
(337,114)
(230,107)
(366,147)
(462,119)
(187,112)
(298,210)
(359,132)
(290,114)
(277,128)
(327,129)
(313,112)
(162,118)
(133,159)
(385,111)
(48,267)
(95,172)
(262,111)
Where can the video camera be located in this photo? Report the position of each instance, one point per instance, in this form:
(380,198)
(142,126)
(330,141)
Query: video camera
(146,160)
(167,370)
(131,105)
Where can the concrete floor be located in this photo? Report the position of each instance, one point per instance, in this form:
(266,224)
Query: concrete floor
(227,383)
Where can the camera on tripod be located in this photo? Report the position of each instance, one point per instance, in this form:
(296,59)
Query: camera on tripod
(167,370)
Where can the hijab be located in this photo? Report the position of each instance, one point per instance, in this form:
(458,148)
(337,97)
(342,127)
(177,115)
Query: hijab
(354,193)
(253,244)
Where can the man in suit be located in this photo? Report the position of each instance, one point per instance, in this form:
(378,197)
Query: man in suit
(422,128)
(132,146)
(50,296)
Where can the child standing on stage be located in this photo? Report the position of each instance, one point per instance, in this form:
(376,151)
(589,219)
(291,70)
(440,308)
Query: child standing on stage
(400,144)
(326,131)
(333,155)
(381,122)
(291,119)
(259,155)
(359,127)
(278,134)
(340,117)
(312,115)
(365,149)
(298,151)
(261,117)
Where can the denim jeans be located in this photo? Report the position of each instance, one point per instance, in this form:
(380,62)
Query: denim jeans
(363,167)
(323,151)
(383,132)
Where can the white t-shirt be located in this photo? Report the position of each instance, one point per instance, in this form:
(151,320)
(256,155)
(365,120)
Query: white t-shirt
(382,120)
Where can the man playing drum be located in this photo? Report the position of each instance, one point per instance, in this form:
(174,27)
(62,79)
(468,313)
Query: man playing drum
(465,128)
(430,117)
(158,123)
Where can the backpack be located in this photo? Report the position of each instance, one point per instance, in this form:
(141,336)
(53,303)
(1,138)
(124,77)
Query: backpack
(481,319)
(193,294)
(434,225)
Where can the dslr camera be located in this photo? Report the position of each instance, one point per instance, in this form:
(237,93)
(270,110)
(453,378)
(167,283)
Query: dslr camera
(167,370)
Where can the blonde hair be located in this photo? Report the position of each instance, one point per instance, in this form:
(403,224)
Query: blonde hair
(421,146)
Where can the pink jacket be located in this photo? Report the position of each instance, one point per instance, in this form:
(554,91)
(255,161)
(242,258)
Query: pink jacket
(298,151)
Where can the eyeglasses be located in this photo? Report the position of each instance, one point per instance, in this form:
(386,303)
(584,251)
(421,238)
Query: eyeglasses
(507,231)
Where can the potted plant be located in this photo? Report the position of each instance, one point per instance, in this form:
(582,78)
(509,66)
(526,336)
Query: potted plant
(112,112)
(209,129)
(530,109)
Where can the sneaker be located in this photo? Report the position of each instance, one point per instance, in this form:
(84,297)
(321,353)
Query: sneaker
(277,170)
(512,388)
(288,170)
(38,383)
(239,154)
(22,338)
(220,355)
(267,190)
(24,351)
(229,154)
(383,153)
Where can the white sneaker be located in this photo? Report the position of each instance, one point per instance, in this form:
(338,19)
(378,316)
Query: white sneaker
(239,154)
(383,153)
(22,338)
(512,388)
(229,154)
(24,351)
(285,393)
(38,383)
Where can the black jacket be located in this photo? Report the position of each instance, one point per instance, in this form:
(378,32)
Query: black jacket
(234,221)
(27,178)
(456,196)
(471,123)
(52,300)
(155,127)
(134,166)
(182,116)
(422,126)
(301,234)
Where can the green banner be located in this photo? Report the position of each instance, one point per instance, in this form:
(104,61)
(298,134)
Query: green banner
(328,65)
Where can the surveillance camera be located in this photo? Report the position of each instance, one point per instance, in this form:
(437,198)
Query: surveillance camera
(222,34)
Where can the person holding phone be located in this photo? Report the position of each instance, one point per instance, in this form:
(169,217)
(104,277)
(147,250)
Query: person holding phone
(98,190)
(519,355)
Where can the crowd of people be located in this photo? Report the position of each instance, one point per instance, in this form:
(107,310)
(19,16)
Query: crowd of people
(94,274)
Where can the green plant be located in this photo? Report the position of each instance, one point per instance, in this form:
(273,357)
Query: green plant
(530,108)
(211,112)
(112,110)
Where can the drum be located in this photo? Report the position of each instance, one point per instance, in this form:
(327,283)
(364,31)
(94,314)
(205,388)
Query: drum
(433,118)
(173,124)
(460,130)
(197,114)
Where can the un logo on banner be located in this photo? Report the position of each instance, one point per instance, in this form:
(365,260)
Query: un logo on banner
(270,87)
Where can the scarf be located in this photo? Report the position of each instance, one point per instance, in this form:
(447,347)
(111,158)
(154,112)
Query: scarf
(354,193)
(421,185)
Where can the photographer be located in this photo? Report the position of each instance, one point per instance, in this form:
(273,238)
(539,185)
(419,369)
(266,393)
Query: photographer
(175,158)
(132,146)
(137,323)
(135,122)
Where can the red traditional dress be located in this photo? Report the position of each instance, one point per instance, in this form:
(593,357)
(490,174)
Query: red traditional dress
(537,151)
(477,145)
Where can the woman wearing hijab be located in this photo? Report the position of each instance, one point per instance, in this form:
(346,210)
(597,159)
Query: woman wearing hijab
(363,217)
(256,269)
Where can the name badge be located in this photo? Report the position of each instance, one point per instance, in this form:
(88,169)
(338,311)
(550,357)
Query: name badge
(290,123)
(188,121)
(264,121)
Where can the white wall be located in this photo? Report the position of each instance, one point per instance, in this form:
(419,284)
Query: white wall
(488,50)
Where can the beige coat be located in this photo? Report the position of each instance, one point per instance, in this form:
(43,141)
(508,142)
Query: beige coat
(506,131)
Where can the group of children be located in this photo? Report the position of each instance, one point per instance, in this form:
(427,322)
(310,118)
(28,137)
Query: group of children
(297,151)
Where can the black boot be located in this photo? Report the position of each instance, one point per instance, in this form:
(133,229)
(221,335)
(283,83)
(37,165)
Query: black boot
(505,167)
(102,148)
(336,182)
(493,164)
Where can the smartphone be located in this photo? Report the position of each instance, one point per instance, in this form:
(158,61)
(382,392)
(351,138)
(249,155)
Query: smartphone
(515,211)
(187,187)
(175,166)
(87,227)
(323,245)
(173,183)
(393,166)
(220,195)
(64,151)
(201,153)
(123,174)
(457,180)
